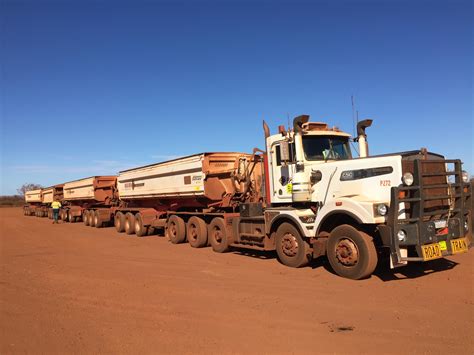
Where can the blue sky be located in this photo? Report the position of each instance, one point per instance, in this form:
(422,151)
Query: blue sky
(94,87)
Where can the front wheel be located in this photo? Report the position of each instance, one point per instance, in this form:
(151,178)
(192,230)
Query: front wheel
(291,249)
(351,252)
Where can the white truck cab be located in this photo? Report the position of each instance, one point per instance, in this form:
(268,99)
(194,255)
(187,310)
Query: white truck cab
(321,200)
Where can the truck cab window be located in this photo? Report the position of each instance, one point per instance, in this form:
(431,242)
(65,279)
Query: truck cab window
(278,153)
(322,148)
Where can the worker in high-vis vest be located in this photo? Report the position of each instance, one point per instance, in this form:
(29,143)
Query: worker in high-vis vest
(56,205)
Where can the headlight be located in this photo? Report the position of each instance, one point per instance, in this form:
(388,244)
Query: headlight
(466,226)
(401,235)
(382,209)
(408,179)
(465,176)
(308,219)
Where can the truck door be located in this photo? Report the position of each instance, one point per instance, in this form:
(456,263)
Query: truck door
(282,175)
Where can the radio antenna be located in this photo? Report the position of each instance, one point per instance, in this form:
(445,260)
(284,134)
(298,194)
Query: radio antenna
(353,117)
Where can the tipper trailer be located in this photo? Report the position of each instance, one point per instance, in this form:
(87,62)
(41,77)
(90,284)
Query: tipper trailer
(48,195)
(89,194)
(305,197)
(32,203)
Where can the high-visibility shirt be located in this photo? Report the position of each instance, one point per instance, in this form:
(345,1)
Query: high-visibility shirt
(55,205)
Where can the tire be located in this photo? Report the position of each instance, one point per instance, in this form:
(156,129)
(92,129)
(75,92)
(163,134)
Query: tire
(140,229)
(351,252)
(71,218)
(119,222)
(129,223)
(97,221)
(85,217)
(217,235)
(176,230)
(291,249)
(196,232)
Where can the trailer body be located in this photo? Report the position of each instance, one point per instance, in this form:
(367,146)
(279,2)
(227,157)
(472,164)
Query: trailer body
(32,202)
(94,191)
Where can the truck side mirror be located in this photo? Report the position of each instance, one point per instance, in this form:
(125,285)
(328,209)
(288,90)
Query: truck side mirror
(285,151)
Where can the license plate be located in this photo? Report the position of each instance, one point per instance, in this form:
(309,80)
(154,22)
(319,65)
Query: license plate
(431,251)
(459,245)
(440,224)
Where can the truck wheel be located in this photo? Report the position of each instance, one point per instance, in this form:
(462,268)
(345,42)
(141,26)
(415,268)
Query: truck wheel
(85,217)
(196,231)
(140,229)
(129,223)
(97,221)
(351,252)
(119,222)
(176,230)
(291,249)
(217,235)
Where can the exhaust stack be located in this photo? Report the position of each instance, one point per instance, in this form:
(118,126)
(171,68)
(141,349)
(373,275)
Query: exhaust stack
(362,137)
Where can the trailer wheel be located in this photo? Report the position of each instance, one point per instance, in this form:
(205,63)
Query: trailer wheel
(119,222)
(291,249)
(196,231)
(140,229)
(351,252)
(129,223)
(85,217)
(217,235)
(97,221)
(176,230)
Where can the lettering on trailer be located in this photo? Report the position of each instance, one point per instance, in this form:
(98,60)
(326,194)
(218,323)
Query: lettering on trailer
(132,185)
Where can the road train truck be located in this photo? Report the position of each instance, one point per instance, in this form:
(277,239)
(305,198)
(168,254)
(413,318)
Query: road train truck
(305,196)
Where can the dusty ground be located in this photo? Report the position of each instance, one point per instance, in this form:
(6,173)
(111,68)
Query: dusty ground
(73,289)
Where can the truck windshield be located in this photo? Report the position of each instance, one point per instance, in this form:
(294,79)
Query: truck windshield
(326,147)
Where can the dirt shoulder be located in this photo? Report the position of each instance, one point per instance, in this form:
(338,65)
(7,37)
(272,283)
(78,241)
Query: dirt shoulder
(69,288)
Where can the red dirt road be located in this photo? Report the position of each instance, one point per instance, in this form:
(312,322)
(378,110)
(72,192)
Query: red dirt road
(68,288)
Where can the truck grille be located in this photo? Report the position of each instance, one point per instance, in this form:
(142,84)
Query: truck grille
(438,191)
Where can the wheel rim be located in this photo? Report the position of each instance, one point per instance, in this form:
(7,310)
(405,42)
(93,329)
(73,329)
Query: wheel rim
(172,230)
(289,245)
(346,252)
(217,234)
(192,234)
